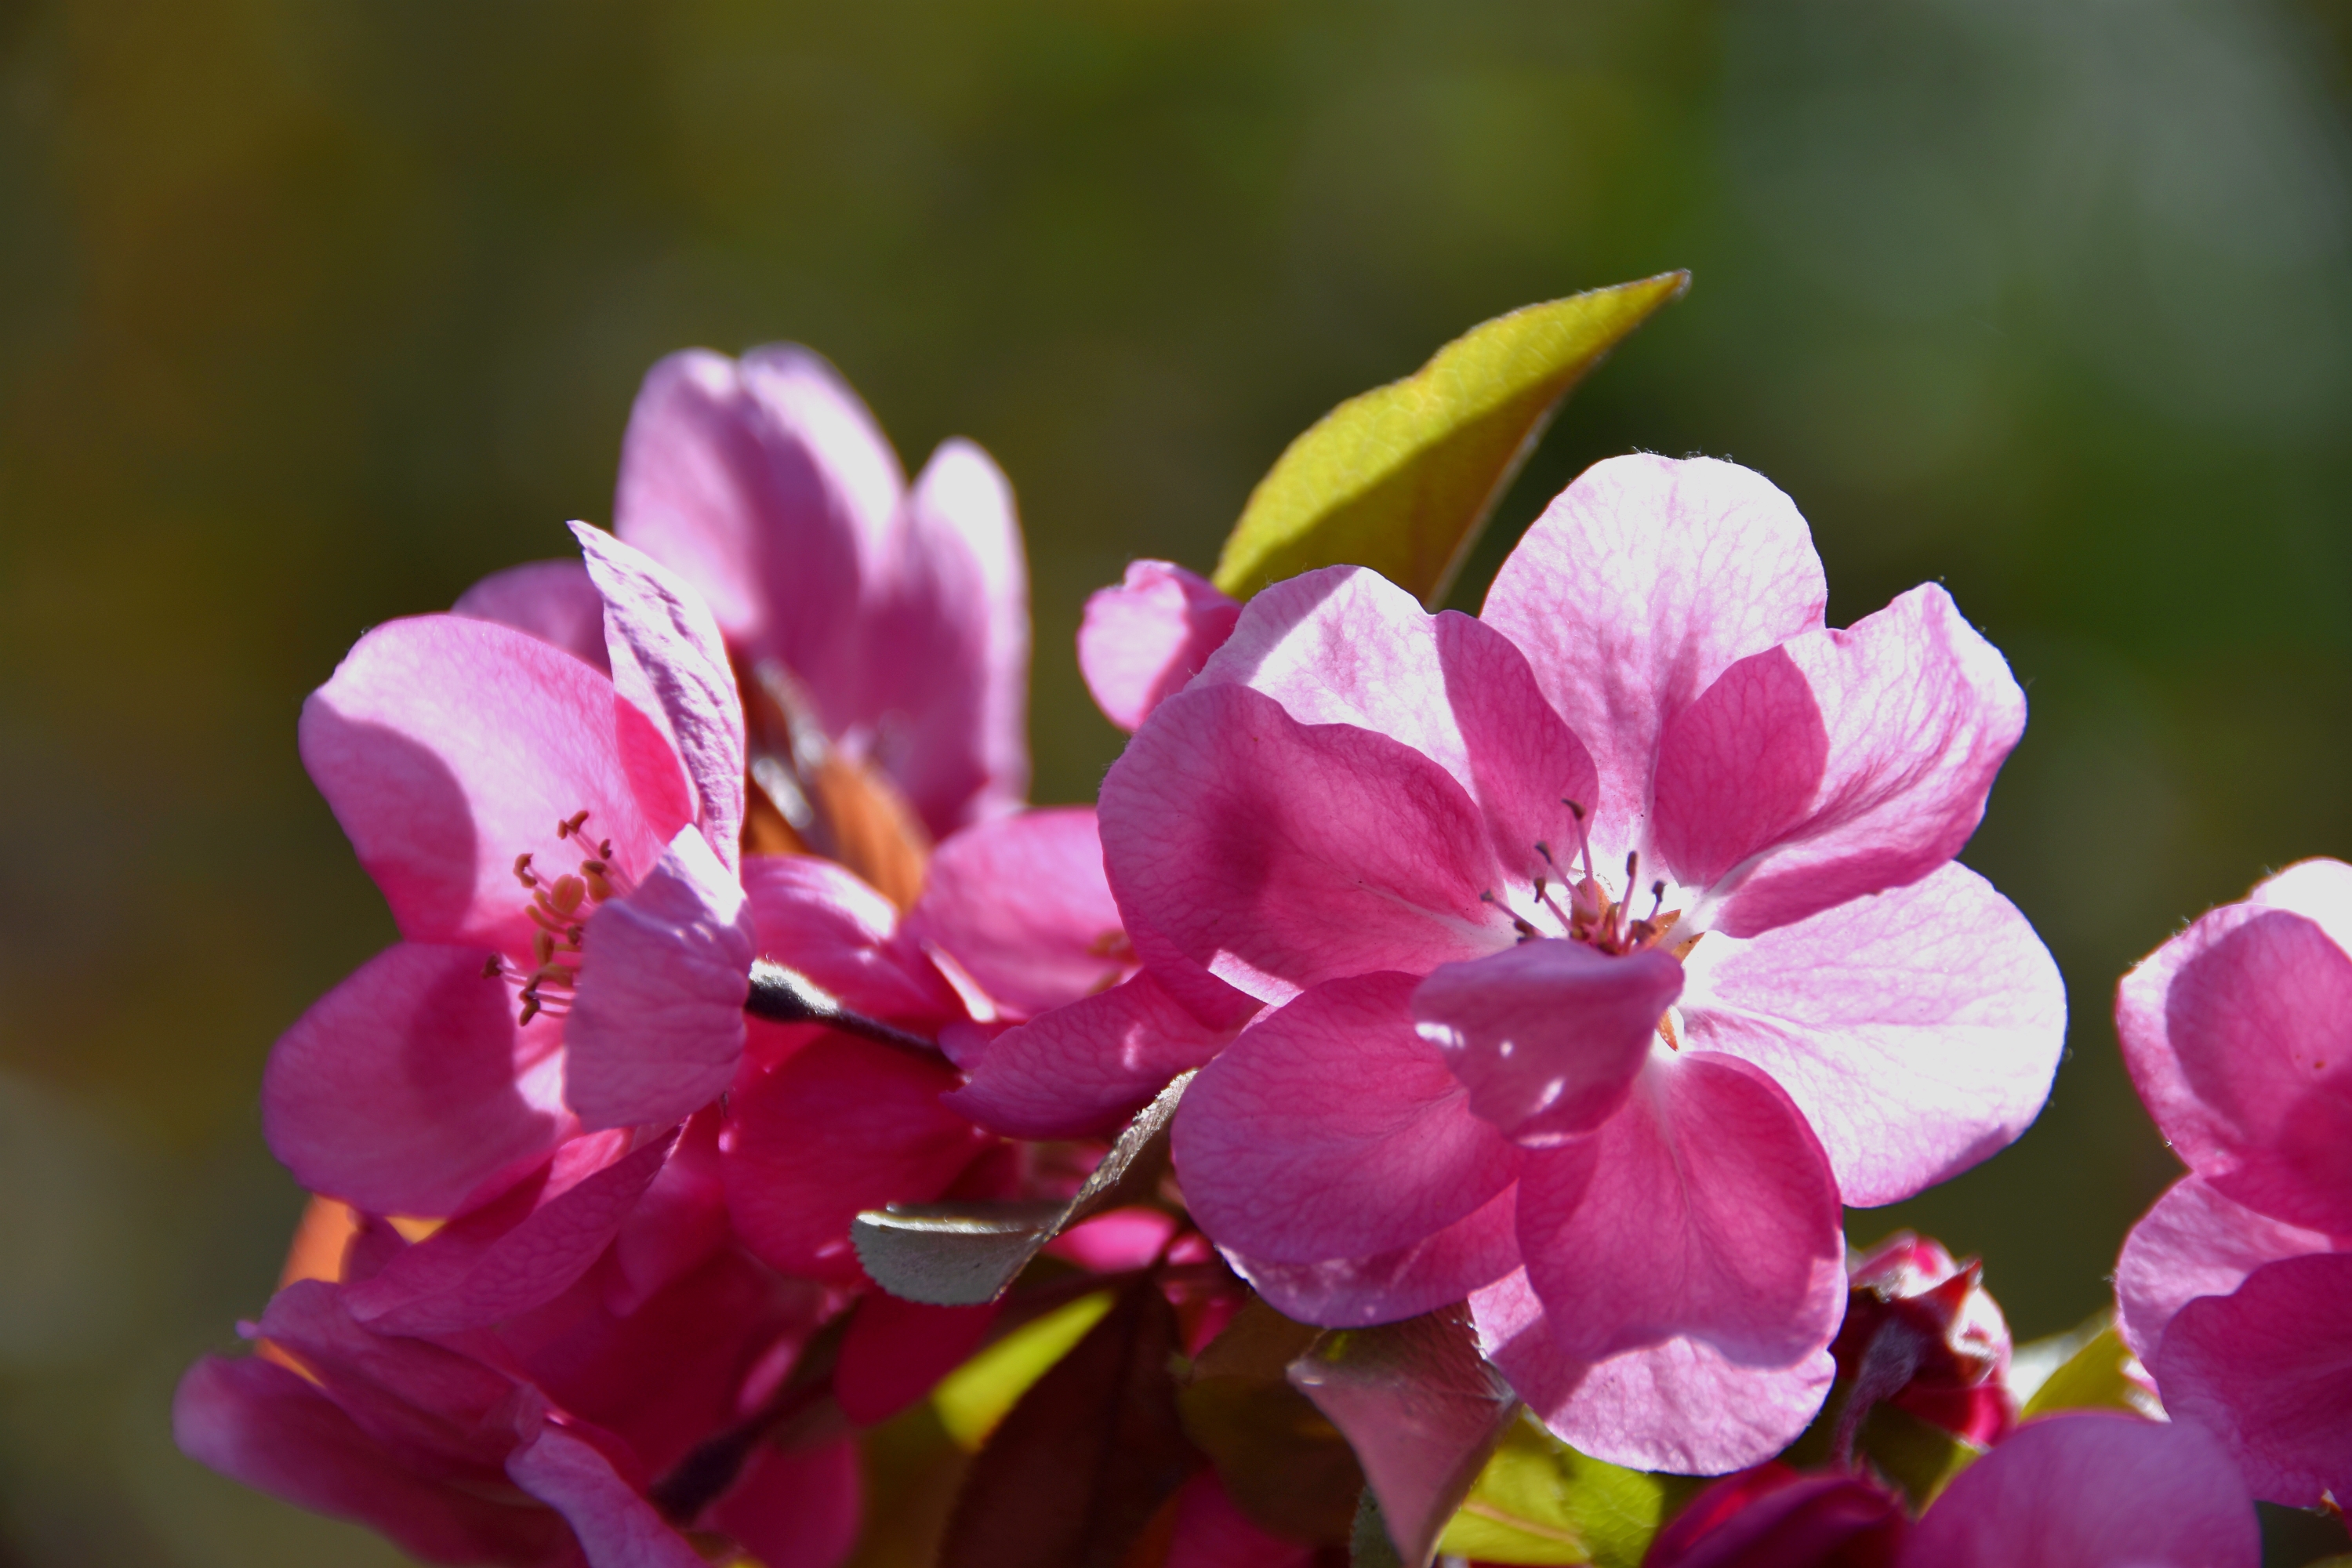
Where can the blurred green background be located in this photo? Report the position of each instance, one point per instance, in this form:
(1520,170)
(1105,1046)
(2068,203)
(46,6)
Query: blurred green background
(312,312)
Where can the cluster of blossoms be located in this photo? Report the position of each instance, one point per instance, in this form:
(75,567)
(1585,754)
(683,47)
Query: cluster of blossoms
(1551,978)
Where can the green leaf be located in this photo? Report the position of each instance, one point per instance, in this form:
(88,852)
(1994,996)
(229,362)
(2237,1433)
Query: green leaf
(974,1397)
(1281,1460)
(2091,1378)
(1369,1545)
(1540,1501)
(1402,478)
(1918,1456)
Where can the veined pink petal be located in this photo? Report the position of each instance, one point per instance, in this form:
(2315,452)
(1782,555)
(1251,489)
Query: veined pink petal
(1345,646)
(1388,1287)
(1142,640)
(617,1526)
(796,1508)
(947,662)
(1548,1035)
(526,1247)
(1329,1128)
(2193,1243)
(1704,1209)
(1084,1067)
(1279,855)
(896,1352)
(2238,1033)
(2267,1371)
(1678,1405)
(1918,1030)
(554,600)
(1835,764)
(815,916)
(2089,1486)
(1022,903)
(656,1028)
(842,1126)
(1638,587)
(2318,889)
(768,485)
(667,659)
(256,1422)
(410,1089)
(448,746)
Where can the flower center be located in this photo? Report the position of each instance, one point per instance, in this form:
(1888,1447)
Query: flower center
(558,908)
(1580,906)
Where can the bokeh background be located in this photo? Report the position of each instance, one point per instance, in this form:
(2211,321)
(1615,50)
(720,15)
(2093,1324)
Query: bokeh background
(314,311)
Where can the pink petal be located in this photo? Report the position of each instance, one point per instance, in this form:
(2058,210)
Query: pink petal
(525,1248)
(796,1508)
(1210,1532)
(1918,1030)
(1279,855)
(816,917)
(767,486)
(1838,764)
(1681,1405)
(1550,1035)
(2090,1486)
(410,1089)
(1638,587)
(259,1424)
(1345,646)
(946,663)
(1388,1287)
(1021,903)
(1143,639)
(845,1125)
(449,746)
(657,1027)
(1772,1516)
(446,1413)
(1329,1128)
(668,660)
(554,600)
(2193,1243)
(1084,1067)
(2318,889)
(2267,1371)
(680,1221)
(1704,1209)
(896,1352)
(2238,1033)
(617,1526)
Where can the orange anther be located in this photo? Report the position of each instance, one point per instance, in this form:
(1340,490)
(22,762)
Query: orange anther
(598,887)
(542,944)
(571,824)
(522,870)
(566,894)
(530,1008)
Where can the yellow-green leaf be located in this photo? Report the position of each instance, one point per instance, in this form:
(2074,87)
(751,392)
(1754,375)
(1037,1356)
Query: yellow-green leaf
(974,1397)
(2092,1378)
(1402,478)
(1540,1501)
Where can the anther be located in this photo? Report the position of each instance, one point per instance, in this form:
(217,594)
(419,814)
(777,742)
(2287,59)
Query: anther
(1657,896)
(604,849)
(542,944)
(571,824)
(566,894)
(493,966)
(530,1008)
(599,888)
(523,872)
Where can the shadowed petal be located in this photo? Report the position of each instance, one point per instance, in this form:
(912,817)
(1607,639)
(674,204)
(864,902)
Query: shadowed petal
(1678,1405)
(1703,1209)
(2238,1033)
(1918,1030)
(2089,1486)
(2193,1243)
(1390,1287)
(1550,1035)
(410,1089)
(1638,587)
(448,746)
(1838,764)
(1023,905)
(1278,854)
(819,918)
(1142,640)
(796,1508)
(1086,1067)
(617,1526)
(1329,1128)
(554,600)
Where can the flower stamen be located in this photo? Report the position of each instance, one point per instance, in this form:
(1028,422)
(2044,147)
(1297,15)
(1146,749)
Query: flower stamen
(559,908)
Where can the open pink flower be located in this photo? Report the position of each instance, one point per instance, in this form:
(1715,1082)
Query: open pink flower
(2236,1289)
(1610,940)
(901,613)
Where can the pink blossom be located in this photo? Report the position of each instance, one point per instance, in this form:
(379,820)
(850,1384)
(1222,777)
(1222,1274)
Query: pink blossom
(1608,1067)
(2236,1289)
(1923,1333)
(901,613)
(1142,639)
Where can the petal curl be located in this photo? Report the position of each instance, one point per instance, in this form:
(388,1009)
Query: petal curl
(1838,764)
(1141,641)
(1022,903)
(2193,1243)
(1329,1128)
(1918,1030)
(409,1088)
(1548,1036)
(1639,585)
(554,600)
(1678,1405)
(617,1526)
(1083,1068)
